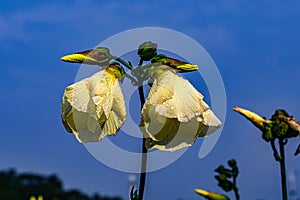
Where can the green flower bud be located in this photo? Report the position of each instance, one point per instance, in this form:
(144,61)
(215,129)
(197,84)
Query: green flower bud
(232,163)
(267,134)
(222,170)
(221,177)
(99,56)
(226,185)
(279,129)
(278,113)
(147,50)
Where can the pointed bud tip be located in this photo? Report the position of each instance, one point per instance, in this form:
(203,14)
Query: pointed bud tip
(202,192)
(74,58)
(235,108)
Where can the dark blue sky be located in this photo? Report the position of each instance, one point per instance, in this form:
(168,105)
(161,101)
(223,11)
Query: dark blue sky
(255,46)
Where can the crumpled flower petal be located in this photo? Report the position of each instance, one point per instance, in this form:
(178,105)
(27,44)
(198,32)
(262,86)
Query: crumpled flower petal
(94,107)
(174,114)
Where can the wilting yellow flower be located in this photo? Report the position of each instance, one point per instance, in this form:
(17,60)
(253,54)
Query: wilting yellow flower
(94,107)
(174,114)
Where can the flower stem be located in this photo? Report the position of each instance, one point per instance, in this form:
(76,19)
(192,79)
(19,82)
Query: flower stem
(236,190)
(281,159)
(123,62)
(282,169)
(144,149)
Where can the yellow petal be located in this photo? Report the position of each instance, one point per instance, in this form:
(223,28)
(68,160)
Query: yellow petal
(94,107)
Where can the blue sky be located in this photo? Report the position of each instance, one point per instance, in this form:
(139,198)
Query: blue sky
(255,46)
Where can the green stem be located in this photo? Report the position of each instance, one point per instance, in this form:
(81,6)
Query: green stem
(123,62)
(282,170)
(144,149)
(236,190)
(275,152)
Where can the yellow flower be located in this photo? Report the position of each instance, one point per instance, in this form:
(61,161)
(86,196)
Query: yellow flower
(174,114)
(94,107)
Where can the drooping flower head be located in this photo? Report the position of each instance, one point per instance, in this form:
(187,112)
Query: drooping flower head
(94,107)
(174,113)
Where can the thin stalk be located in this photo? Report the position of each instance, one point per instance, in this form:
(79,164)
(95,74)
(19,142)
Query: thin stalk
(275,152)
(282,170)
(236,190)
(144,149)
(123,62)
(235,172)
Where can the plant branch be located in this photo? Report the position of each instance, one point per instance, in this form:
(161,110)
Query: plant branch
(144,149)
(275,152)
(123,62)
(235,189)
(282,169)
(236,193)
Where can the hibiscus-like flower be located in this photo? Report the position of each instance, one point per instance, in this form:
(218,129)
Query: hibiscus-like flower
(174,113)
(94,107)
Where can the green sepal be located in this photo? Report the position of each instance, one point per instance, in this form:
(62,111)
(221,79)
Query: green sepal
(116,69)
(267,134)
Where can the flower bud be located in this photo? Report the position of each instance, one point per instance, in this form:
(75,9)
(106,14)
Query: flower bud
(99,56)
(147,50)
(178,65)
(211,195)
(267,134)
(222,170)
(232,163)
